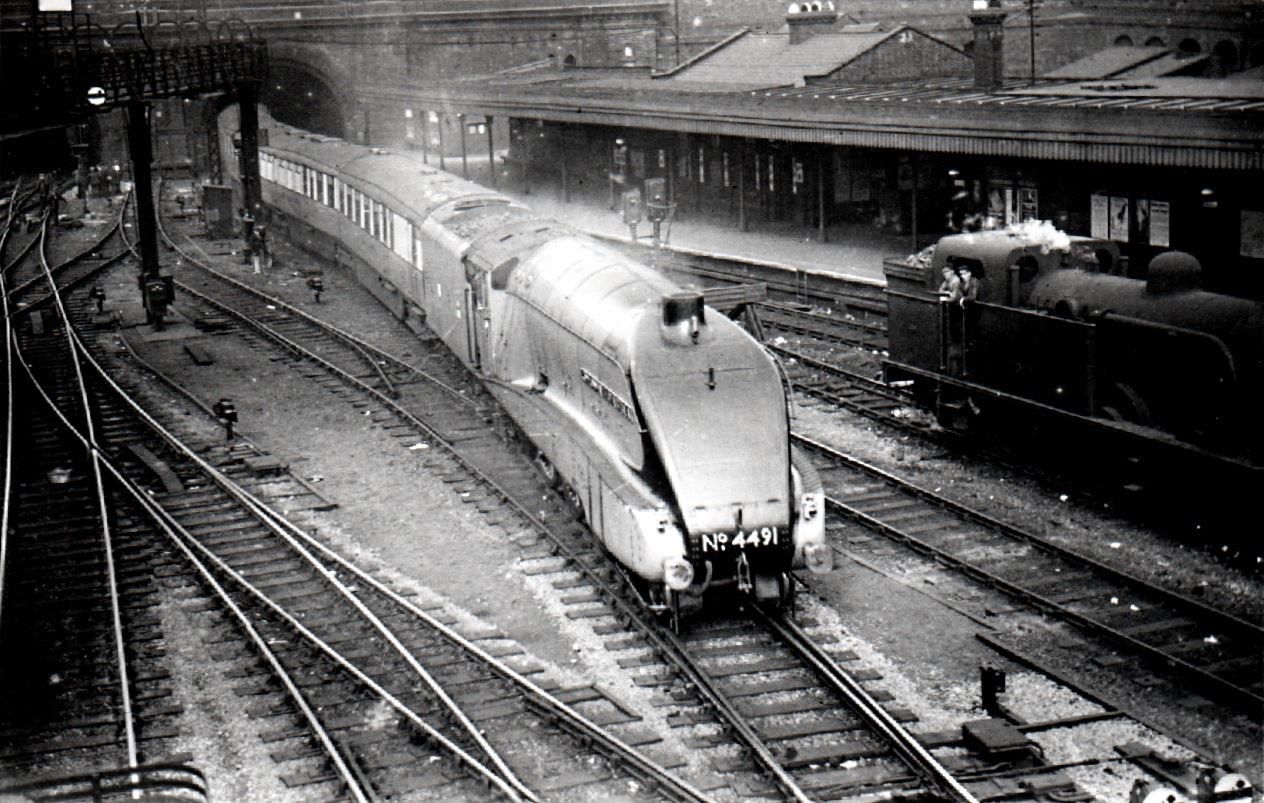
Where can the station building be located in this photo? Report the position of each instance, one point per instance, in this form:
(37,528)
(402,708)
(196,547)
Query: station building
(826,124)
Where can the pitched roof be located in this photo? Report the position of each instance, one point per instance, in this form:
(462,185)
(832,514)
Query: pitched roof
(757,61)
(1110,62)
(1170,63)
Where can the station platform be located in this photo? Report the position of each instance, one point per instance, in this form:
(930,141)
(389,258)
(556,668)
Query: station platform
(853,250)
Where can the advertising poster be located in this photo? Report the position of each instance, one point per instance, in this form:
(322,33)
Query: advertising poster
(996,203)
(842,181)
(1142,211)
(1160,223)
(1119,219)
(860,186)
(1252,233)
(1099,208)
(1028,209)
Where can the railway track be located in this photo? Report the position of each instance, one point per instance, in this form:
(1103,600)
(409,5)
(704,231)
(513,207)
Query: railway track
(826,328)
(1182,638)
(349,652)
(456,424)
(84,681)
(1217,652)
(487,461)
(862,300)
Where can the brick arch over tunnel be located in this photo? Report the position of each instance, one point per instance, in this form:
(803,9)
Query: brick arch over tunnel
(307,89)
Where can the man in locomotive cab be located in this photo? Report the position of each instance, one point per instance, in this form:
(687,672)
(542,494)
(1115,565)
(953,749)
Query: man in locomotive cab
(971,285)
(950,288)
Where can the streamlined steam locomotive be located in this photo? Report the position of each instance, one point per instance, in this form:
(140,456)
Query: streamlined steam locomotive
(666,421)
(1155,371)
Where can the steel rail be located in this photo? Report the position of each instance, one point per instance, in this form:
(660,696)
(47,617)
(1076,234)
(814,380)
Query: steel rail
(867,383)
(733,718)
(664,643)
(269,519)
(117,228)
(163,521)
(752,739)
(821,326)
(351,342)
(917,757)
(7,500)
(348,337)
(173,526)
(660,776)
(583,727)
(21,255)
(116,615)
(1248,631)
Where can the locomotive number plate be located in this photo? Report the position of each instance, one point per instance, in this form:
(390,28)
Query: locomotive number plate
(722,542)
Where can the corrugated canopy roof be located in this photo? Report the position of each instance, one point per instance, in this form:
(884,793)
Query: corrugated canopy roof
(755,61)
(1168,64)
(1107,62)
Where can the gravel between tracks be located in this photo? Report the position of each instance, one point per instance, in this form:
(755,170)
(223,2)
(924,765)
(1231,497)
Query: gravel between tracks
(393,514)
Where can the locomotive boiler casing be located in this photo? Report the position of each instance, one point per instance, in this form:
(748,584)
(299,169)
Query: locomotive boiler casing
(685,422)
(1188,361)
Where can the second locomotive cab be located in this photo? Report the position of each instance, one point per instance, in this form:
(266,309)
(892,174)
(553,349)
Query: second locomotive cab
(667,422)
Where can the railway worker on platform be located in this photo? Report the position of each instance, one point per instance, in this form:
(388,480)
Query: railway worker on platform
(950,288)
(317,286)
(98,295)
(970,285)
(259,249)
(247,233)
(226,412)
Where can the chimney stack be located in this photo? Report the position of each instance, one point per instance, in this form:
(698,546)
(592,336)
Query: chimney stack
(810,17)
(989,45)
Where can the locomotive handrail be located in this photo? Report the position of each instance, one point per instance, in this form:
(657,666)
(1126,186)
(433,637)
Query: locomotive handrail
(1118,428)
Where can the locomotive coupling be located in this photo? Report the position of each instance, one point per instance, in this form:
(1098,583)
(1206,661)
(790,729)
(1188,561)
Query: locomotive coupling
(677,573)
(818,557)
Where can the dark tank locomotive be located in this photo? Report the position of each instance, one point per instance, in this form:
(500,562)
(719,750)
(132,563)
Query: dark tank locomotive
(665,421)
(1082,359)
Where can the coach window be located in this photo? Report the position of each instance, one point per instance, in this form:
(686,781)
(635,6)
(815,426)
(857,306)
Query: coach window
(417,252)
